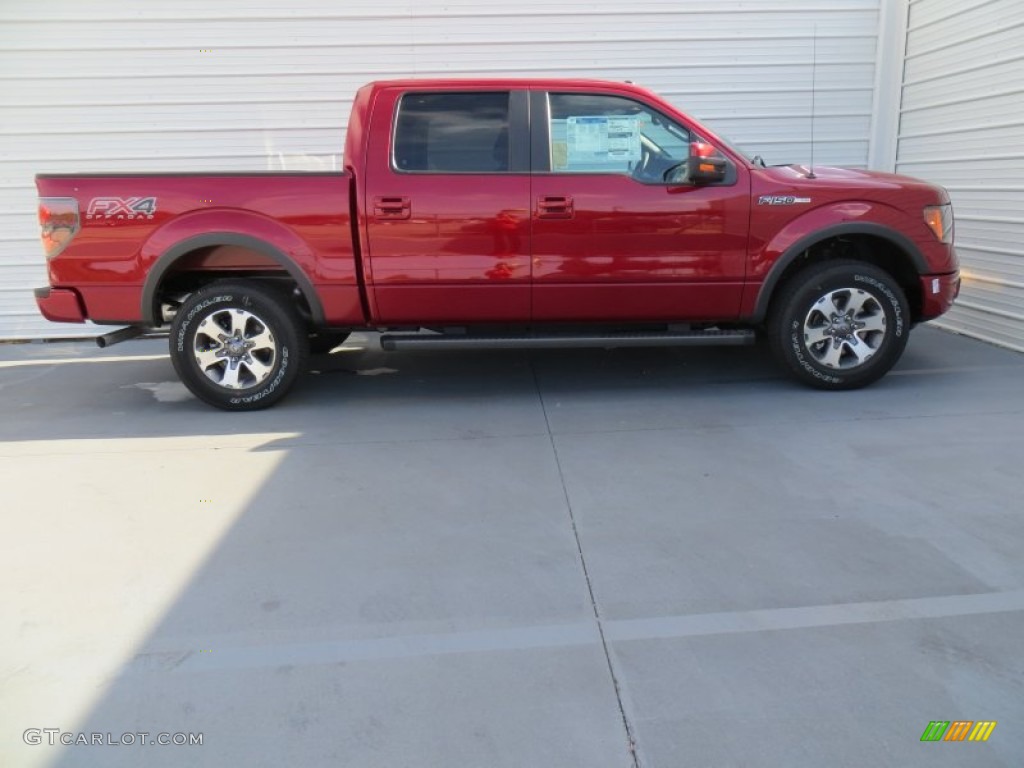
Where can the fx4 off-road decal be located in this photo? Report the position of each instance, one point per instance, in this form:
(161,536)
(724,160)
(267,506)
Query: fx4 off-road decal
(781,200)
(121,208)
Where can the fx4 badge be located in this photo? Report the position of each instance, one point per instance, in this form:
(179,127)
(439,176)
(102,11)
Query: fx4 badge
(781,200)
(121,208)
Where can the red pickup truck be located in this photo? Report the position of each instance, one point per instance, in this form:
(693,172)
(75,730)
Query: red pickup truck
(505,213)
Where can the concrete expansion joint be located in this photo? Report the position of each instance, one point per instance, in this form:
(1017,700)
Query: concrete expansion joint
(626,724)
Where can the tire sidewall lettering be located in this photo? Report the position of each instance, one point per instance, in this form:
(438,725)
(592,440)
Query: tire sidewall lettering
(183,330)
(796,342)
(269,389)
(884,290)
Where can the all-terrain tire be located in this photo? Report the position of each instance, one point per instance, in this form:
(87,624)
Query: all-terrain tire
(238,345)
(840,324)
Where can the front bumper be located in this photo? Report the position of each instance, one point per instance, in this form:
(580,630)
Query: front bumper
(60,305)
(938,292)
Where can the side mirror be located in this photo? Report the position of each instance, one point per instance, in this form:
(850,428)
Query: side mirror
(705,165)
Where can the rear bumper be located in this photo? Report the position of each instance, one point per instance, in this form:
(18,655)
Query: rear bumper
(60,305)
(938,292)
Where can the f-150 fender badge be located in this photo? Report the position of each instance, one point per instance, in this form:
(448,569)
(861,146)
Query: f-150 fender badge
(121,208)
(781,200)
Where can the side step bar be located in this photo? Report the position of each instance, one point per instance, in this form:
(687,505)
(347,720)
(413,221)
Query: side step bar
(712,338)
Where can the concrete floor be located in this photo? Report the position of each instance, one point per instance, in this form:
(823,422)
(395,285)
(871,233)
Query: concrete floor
(507,559)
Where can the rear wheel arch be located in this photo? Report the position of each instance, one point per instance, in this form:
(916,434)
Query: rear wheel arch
(164,267)
(873,244)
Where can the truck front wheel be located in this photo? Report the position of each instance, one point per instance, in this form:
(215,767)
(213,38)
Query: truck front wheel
(238,346)
(839,324)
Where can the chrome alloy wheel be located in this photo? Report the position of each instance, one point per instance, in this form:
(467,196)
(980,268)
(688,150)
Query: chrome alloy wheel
(235,349)
(844,328)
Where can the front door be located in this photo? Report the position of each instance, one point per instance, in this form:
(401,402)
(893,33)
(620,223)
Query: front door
(447,206)
(611,239)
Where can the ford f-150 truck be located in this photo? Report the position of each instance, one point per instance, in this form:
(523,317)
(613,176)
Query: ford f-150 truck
(508,213)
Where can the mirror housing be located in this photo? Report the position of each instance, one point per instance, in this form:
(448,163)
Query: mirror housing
(705,165)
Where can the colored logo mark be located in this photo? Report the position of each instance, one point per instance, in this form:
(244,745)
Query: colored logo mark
(958,730)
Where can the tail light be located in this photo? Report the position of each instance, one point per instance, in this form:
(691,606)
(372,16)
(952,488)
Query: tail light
(58,223)
(939,219)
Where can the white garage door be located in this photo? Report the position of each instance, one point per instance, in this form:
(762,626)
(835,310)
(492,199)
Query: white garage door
(259,84)
(962,125)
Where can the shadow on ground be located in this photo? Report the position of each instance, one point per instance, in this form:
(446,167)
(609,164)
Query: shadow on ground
(387,569)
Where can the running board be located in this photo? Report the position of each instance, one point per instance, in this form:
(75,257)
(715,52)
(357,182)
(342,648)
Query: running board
(713,338)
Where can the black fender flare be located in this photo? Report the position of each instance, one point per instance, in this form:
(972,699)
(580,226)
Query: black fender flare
(150,312)
(792,253)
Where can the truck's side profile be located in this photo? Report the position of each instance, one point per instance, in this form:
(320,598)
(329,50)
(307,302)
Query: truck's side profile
(503,213)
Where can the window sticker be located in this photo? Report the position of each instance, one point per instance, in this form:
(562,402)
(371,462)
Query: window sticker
(599,142)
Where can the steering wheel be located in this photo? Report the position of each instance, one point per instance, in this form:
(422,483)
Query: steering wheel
(652,168)
(640,170)
(674,173)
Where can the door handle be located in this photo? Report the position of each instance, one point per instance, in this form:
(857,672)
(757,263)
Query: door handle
(555,207)
(392,207)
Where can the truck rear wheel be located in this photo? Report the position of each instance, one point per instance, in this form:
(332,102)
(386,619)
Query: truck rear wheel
(237,345)
(839,325)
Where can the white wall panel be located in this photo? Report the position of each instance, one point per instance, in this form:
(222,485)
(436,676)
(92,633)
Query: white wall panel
(962,125)
(254,85)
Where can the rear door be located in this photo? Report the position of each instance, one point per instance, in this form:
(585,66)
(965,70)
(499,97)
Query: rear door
(611,239)
(447,206)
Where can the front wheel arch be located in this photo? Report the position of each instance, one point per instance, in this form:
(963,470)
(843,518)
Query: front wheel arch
(875,244)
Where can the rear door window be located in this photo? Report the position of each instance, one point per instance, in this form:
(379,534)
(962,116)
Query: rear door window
(452,133)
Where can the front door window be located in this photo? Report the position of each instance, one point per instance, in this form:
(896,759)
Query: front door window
(594,133)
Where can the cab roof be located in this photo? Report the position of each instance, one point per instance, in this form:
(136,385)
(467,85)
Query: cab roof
(521,83)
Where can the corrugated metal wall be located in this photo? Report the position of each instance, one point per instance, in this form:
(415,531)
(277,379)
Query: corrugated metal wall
(962,125)
(256,85)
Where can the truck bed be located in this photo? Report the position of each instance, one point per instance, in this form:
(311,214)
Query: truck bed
(133,228)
